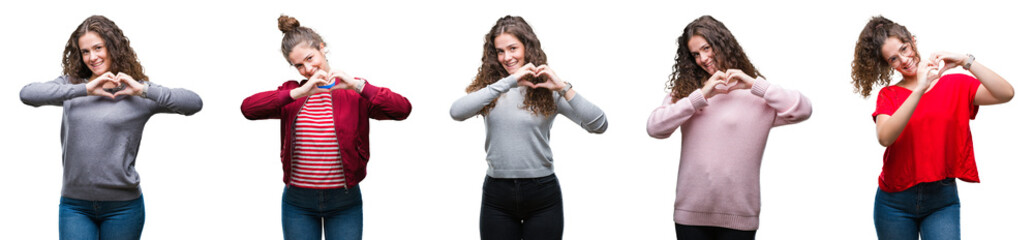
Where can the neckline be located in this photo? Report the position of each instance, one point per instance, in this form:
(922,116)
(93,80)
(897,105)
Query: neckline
(935,84)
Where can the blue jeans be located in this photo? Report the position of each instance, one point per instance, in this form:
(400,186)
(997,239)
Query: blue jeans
(522,208)
(82,219)
(306,212)
(929,209)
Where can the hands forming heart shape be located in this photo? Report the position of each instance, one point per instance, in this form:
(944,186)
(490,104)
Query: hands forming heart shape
(928,72)
(550,81)
(329,80)
(934,67)
(322,81)
(124,84)
(947,60)
(726,82)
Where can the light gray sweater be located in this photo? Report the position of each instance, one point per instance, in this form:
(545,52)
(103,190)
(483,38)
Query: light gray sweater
(517,141)
(100,136)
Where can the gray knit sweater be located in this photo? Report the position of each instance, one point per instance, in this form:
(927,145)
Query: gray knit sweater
(100,136)
(517,141)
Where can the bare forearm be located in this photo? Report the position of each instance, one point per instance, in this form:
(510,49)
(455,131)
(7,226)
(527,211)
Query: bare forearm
(999,89)
(889,128)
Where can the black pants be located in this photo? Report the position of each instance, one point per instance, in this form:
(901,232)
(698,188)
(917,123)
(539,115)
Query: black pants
(522,208)
(684,232)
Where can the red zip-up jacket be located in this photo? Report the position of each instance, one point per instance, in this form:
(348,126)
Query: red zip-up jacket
(349,109)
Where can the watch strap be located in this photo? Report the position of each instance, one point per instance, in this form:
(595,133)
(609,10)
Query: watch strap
(969,61)
(567,86)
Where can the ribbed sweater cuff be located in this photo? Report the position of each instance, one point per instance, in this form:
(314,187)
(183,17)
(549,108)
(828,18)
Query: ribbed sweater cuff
(80,90)
(743,223)
(100,193)
(154,92)
(697,99)
(760,87)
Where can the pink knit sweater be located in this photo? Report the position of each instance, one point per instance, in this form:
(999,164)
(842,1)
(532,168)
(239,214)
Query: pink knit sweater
(723,139)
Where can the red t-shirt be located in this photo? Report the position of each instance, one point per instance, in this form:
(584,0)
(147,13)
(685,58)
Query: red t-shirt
(936,143)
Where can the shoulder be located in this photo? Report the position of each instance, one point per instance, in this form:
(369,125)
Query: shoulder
(65,79)
(891,90)
(289,84)
(892,96)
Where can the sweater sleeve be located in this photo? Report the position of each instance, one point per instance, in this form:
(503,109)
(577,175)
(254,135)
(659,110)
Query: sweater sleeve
(266,105)
(790,105)
(385,104)
(584,113)
(669,116)
(54,92)
(469,105)
(174,100)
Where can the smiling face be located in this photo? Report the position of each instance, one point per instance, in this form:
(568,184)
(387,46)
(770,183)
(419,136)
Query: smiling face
(94,53)
(703,54)
(308,60)
(509,51)
(900,55)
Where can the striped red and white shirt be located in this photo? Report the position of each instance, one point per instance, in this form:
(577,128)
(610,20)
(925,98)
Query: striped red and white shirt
(316,162)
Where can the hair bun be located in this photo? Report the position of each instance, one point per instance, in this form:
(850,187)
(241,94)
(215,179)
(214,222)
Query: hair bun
(287,23)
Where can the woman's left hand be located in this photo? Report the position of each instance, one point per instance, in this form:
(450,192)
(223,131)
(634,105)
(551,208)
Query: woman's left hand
(552,82)
(133,88)
(737,79)
(344,81)
(951,60)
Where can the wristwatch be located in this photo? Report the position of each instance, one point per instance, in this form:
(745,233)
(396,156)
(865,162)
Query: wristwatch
(563,92)
(359,87)
(969,61)
(143,92)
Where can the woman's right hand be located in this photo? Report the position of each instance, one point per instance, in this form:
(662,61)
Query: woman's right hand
(927,74)
(96,86)
(709,89)
(311,86)
(523,72)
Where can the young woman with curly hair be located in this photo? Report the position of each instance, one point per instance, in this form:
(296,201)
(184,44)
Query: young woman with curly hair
(324,134)
(519,96)
(107,99)
(725,110)
(923,120)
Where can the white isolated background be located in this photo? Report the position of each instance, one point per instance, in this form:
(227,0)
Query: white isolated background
(216,175)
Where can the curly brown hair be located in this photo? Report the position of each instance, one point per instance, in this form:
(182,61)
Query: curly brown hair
(295,34)
(869,68)
(686,76)
(123,58)
(537,100)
